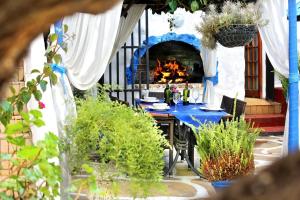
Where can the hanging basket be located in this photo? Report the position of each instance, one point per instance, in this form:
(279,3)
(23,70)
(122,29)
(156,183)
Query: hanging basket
(236,35)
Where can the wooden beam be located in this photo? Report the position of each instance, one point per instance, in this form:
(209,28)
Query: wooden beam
(22,20)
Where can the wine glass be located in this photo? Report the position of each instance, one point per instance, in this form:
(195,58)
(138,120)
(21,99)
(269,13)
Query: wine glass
(195,94)
(176,98)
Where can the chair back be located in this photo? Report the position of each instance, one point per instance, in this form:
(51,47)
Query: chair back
(227,104)
(240,108)
(159,95)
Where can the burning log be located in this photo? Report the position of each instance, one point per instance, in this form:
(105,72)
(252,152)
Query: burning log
(172,71)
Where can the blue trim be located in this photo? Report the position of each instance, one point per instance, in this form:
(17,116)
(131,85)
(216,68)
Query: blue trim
(293,139)
(58,29)
(57,68)
(63,71)
(214,79)
(153,40)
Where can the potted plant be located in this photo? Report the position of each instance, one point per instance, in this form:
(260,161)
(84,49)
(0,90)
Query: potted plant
(236,25)
(226,150)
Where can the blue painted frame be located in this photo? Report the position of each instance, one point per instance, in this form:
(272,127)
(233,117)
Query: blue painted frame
(153,40)
(293,139)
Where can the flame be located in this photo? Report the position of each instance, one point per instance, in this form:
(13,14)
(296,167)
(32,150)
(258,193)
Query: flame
(170,71)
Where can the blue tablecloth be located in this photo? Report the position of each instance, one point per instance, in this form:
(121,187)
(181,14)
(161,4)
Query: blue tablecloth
(190,116)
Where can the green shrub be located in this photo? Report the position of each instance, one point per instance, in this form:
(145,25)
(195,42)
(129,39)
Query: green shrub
(126,139)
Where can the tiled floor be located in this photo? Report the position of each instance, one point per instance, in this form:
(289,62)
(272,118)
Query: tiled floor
(186,185)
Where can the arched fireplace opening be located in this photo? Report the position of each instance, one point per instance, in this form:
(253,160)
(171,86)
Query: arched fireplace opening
(172,62)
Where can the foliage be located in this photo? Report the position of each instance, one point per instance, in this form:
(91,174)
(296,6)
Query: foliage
(194,5)
(33,171)
(232,13)
(285,81)
(226,149)
(125,140)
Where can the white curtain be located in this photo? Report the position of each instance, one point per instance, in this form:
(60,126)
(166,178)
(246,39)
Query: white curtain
(209,58)
(275,34)
(89,53)
(231,73)
(85,62)
(127,25)
(275,42)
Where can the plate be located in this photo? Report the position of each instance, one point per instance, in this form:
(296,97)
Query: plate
(150,100)
(211,108)
(159,109)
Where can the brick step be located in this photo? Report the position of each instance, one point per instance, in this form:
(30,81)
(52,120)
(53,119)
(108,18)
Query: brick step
(272,130)
(266,120)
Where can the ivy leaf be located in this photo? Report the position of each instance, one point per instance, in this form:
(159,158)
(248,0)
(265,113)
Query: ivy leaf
(6,106)
(18,141)
(43,85)
(37,95)
(38,78)
(12,99)
(66,28)
(47,70)
(53,78)
(31,174)
(38,122)
(57,58)
(172,4)
(35,71)
(64,46)
(30,84)
(53,37)
(36,114)
(25,96)
(14,128)
(25,116)
(20,106)
(195,6)
(28,152)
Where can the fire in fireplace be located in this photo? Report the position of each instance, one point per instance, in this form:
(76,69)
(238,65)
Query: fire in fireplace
(172,61)
(170,71)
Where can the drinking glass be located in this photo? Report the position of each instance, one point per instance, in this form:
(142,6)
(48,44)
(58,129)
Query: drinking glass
(195,94)
(176,98)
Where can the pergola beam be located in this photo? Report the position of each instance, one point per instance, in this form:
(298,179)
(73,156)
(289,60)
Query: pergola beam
(22,20)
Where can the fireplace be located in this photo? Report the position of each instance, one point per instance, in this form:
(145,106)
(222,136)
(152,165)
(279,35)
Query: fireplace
(172,62)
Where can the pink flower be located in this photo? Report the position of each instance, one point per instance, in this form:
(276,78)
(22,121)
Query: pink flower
(174,89)
(41,105)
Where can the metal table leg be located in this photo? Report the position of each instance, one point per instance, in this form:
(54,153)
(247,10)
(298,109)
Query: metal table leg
(181,146)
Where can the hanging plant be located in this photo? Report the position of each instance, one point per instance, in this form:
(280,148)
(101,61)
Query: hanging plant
(194,5)
(236,25)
